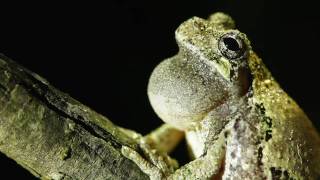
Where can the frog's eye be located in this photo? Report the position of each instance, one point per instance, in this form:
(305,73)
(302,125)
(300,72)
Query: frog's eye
(232,46)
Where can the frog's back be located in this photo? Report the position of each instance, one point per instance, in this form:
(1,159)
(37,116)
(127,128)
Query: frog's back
(290,140)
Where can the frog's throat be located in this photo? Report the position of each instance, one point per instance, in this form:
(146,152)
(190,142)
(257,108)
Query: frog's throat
(221,112)
(216,123)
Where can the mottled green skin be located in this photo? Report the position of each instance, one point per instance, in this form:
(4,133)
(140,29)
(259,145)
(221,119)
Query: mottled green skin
(295,144)
(237,127)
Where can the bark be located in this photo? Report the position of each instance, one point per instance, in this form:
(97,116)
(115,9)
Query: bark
(54,136)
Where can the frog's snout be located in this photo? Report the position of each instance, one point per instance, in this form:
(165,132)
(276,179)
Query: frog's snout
(190,28)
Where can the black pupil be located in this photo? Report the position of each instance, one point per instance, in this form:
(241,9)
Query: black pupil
(231,44)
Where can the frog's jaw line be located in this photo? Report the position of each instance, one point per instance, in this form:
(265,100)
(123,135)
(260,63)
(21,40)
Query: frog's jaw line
(225,68)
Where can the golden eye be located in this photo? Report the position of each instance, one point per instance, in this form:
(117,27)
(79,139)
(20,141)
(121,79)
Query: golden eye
(232,46)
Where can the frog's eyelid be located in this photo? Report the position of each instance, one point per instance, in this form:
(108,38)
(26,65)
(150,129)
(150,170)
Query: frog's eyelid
(232,45)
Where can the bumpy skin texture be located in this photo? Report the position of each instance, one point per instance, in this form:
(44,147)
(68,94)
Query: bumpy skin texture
(238,121)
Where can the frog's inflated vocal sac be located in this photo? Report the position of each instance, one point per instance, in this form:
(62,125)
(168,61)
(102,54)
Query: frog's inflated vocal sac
(238,122)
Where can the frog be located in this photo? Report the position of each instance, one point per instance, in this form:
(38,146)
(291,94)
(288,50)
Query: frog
(237,120)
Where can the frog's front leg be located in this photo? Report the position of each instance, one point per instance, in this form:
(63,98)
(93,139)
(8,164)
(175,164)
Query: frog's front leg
(151,170)
(205,167)
(155,148)
(208,166)
(165,138)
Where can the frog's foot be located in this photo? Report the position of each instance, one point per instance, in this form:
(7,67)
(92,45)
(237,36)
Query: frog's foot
(156,164)
(151,170)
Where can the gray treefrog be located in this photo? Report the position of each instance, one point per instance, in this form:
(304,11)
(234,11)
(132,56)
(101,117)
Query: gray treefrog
(238,122)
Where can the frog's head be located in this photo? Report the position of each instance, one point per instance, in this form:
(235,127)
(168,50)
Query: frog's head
(216,42)
(210,69)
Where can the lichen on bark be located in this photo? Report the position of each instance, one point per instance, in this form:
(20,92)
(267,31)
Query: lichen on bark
(54,136)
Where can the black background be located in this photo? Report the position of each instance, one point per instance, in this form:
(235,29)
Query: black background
(103,53)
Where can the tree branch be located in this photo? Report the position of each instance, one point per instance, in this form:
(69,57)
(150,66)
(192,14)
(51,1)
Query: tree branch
(55,136)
